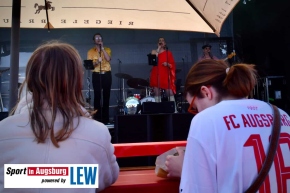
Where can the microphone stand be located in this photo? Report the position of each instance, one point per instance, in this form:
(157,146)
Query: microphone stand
(168,69)
(158,81)
(88,94)
(181,99)
(119,81)
(120,101)
(101,102)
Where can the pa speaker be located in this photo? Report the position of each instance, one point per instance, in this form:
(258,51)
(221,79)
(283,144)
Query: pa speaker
(161,107)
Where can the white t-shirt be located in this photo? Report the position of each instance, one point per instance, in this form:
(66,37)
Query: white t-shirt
(226,144)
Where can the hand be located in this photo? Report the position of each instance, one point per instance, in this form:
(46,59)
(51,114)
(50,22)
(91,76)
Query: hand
(166,64)
(174,163)
(159,47)
(100,59)
(100,46)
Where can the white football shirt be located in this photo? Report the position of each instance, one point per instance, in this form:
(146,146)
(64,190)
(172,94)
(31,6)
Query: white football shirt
(226,145)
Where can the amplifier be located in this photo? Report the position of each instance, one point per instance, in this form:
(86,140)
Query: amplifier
(158,107)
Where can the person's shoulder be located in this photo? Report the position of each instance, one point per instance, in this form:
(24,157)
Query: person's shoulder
(92,49)
(4,122)
(15,125)
(91,130)
(92,123)
(11,119)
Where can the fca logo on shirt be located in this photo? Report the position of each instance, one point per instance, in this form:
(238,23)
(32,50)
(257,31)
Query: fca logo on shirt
(83,175)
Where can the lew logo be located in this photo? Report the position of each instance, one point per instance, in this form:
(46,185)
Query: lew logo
(41,7)
(51,176)
(83,175)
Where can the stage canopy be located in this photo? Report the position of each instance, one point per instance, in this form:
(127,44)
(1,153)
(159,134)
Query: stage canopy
(205,16)
(181,15)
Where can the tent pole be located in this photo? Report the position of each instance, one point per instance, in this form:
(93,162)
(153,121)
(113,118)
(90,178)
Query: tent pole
(47,19)
(14,57)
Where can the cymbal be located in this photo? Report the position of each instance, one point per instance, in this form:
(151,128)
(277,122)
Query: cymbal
(123,75)
(137,83)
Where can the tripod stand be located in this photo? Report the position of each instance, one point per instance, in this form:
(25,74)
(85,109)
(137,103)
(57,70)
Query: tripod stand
(88,64)
(121,94)
(88,93)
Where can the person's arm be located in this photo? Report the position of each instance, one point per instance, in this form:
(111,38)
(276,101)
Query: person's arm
(106,52)
(174,163)
(112,168)
(199,170)
(91,56)
(171,62)
(154,52)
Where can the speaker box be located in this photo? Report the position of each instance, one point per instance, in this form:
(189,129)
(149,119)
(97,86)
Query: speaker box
(272,89)
(131,129)
(160,107)
(180,125)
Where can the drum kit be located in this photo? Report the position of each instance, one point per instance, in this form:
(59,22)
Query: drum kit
(132,104)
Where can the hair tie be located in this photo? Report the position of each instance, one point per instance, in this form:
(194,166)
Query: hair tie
(227,70)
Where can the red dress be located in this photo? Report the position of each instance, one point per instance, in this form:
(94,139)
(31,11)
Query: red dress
(163,73)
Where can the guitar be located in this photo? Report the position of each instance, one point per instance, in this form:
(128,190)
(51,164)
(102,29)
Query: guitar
(230,56)
(2,71)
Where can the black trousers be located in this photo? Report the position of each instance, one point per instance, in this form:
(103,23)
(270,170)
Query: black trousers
(102,82)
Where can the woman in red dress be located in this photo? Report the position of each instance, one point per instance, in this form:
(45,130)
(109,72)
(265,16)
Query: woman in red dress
(163,75)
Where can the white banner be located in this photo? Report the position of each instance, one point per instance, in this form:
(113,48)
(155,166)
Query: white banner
(180,15)
(51,175)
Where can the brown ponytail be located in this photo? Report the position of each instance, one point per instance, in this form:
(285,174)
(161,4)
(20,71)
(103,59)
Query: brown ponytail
(239,80)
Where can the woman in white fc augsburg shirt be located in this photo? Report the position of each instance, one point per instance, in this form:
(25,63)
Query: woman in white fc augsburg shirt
(229,137)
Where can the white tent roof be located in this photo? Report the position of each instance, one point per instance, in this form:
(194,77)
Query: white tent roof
(181,15)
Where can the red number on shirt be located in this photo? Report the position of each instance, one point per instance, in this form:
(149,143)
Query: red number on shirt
(256,142)
(282,171)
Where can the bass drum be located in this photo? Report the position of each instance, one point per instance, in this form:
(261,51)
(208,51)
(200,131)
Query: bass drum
(147,99)
(132,106)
